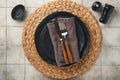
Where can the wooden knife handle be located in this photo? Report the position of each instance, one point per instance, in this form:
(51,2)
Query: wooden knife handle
(64,53)
(68,52)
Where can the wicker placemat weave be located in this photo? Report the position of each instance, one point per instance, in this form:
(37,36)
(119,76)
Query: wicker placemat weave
(29,44)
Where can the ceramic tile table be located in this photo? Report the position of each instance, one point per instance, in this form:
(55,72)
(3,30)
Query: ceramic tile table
(15,66)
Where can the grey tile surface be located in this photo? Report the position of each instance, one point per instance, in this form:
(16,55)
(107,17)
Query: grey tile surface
(30,11)
(76,78)
(2,35)
(78,1)
(98,62)
(110,56)
(3,54)
(2,3)
(111,73)
(94,73)
(15,55)
(14,35)
(2,17)
(46,1)
(12,3)
(115,18)
(26,60)
(33,3)
(3,72)
(15,72)
(32,74)
(111,36)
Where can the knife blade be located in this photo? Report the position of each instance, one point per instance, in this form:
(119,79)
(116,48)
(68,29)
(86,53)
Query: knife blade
(58,29)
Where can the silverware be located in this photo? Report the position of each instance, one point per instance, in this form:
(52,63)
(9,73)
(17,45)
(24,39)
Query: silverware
(64,34)
(62,43)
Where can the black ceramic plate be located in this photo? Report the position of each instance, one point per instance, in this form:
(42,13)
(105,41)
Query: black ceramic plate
(43,41)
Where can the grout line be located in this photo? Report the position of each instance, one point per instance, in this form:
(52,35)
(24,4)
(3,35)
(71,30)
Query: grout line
(14,45)
(6,41)
(104,45)
(15,26)
(82,2)
(107,26)
(24,71)
(24,2)
(110,65)
(2,7)
(44,3)
(91,5)
(110,26)
(25,7)
(15,64)
(93,66)
(101,60)
(24,60)
(9,45)
(2,26)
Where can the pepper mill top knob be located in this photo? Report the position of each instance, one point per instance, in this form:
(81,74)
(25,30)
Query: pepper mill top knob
(97,6)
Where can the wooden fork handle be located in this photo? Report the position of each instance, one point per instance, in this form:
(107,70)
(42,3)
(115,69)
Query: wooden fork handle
(68,52)
(64,53)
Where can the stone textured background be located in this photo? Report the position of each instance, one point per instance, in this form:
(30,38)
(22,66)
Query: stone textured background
(14,65)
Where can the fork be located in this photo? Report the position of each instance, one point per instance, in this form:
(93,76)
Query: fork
(64,34)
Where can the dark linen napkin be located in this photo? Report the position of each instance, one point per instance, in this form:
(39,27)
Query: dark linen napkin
(71,37)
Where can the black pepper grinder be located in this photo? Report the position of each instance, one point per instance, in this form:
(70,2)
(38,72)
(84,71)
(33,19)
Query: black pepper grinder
(108,9)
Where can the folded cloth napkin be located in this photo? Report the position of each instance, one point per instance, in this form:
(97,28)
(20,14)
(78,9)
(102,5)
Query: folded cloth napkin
(71,37)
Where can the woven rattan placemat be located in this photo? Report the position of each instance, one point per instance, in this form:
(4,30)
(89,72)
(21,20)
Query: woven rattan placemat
(29,44)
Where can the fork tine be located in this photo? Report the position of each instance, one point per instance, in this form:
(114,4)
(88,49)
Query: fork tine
(62,26)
